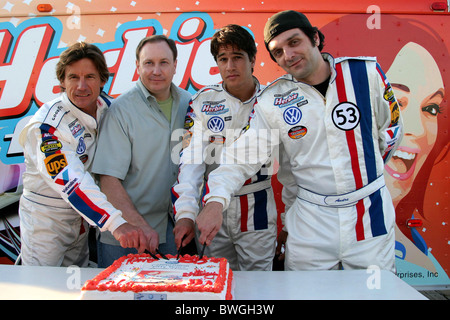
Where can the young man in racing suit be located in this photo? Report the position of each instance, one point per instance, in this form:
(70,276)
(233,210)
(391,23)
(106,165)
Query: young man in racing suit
(59,193)
(217,116)
(338,121)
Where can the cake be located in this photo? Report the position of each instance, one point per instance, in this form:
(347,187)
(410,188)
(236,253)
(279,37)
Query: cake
(142,277)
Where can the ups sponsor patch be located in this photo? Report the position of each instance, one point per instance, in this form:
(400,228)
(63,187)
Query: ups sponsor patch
(55,163)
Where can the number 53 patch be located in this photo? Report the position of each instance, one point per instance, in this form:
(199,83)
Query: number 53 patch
(346,116)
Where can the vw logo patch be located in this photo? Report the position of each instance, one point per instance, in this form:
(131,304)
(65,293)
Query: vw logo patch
(292,115)
(216,124)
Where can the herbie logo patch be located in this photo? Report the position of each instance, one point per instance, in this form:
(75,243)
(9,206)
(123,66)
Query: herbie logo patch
(55,163)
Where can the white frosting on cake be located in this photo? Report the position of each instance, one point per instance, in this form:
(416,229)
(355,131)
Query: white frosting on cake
(142,277)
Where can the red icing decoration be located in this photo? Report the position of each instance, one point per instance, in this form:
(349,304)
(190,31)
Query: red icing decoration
(195,285)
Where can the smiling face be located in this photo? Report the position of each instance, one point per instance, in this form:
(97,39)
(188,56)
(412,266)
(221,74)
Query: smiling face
(82,84)
(418,87)
(295,53)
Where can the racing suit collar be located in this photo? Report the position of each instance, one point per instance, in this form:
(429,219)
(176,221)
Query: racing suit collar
(328,57)
(80,114)
(257,89)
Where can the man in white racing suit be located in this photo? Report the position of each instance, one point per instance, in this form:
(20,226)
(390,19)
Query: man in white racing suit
(217,116)
(59,193)
(338,122)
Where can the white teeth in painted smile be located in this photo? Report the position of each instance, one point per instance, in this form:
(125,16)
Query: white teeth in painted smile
(404,155)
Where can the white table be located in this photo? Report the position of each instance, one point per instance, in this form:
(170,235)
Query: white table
(323,285)
(52,283)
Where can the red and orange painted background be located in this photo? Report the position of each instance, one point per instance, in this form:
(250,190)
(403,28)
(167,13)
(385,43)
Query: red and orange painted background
(409,39)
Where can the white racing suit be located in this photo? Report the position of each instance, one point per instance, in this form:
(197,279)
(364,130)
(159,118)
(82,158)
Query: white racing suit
(59,193)
(337,145)
(248,233)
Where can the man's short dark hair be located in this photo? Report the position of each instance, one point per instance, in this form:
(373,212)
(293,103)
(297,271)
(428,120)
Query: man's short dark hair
(235,36)
(290,19)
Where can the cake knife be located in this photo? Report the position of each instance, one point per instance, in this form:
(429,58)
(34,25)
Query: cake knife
(161,254)
(151,254)
(203,251)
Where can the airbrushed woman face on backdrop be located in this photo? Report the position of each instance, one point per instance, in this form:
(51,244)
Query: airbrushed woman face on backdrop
(419,89)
